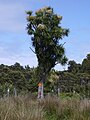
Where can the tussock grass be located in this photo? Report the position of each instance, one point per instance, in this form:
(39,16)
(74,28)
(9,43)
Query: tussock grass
(50,108)
(20,108)
(73,109)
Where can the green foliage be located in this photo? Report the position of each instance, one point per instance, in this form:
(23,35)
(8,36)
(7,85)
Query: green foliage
(74,67)
(17,77)
(46,31)
(71,82)
(86,64)
(69,96)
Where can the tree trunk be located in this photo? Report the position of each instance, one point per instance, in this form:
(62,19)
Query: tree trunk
(41,85)
(42,78)
(40,90)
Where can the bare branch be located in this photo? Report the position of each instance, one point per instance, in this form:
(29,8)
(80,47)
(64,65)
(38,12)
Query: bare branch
(32,50)
(64,43)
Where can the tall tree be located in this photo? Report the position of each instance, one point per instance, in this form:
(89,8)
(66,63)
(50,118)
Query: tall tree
(46,32)
(86,64)
(74,67)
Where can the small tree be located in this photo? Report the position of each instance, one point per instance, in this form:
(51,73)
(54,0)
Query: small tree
(46,33)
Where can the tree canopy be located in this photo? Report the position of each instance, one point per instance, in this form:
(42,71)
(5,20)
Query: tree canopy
(46,32)
(86,64)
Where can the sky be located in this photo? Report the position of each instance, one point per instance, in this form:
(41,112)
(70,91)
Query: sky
(15,42)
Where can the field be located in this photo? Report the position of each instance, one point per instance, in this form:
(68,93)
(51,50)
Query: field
(50,108)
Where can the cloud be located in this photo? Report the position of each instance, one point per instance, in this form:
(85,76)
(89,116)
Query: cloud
(30,60)
(11,17)
(11,52)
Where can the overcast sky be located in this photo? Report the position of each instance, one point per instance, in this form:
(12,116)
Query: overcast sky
(14,41)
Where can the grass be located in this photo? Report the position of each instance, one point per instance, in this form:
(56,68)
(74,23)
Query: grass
(20,108)
(50,108)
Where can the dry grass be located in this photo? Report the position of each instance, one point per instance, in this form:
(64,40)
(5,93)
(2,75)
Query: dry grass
(50,108)
(20,108)
(73,109)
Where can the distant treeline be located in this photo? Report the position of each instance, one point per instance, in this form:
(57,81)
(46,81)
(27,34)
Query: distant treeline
(18,79)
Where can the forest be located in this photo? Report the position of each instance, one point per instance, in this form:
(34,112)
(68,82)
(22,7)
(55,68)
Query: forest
(16,79)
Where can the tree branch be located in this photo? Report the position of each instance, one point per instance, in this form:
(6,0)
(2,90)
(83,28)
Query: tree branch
(32,50)
(64,43)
